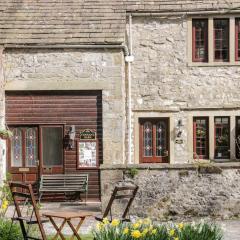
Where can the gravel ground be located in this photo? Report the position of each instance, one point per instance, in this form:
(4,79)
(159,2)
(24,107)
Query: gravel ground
(231,228)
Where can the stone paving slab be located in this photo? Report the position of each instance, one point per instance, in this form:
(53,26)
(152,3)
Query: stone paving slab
(231,228)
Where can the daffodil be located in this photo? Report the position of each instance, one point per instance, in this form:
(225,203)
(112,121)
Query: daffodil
(154,231)
(145,231)
(180,226)
(105,221)
(136,234)
(125,231)
(136,225)
(115,222)
(147,221)
(172,232)
(99,226)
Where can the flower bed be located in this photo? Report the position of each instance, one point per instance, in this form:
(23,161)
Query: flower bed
(146,230)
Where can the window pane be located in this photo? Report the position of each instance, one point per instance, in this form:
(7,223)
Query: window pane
(52,146)
(16,148)
(238,137)
(161,139)
(31,147)
(221,39)
(237,39)
(222,138)
(200,40)
(147,139)
(201,138)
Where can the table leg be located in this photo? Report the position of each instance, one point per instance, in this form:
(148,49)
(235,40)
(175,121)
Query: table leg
(58,229)
(75,231)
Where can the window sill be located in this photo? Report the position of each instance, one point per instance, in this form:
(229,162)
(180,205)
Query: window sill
(213,64)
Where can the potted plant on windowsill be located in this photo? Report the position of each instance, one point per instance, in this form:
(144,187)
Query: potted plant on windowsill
(5,134)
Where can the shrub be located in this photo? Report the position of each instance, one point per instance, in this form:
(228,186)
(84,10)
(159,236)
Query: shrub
(9,233)
(145,230)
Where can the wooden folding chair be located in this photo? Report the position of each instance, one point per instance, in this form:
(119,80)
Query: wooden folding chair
(24,193)
(120,192)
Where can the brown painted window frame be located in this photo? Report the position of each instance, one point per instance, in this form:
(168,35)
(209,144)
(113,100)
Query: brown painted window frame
(154,158)
(9,148)
(195,155)
(214,40)
(237,31)
(237,132)
(194,59)
(229,138)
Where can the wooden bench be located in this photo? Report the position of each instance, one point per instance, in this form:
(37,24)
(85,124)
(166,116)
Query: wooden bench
(66,183)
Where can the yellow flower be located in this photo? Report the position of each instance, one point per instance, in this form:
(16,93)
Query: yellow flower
(180,226)
(150,228)
(115,222)
(136,234)
(171,232)
(176,238)
(154,231)
(145,231)
(136,225)
(4,204)
(99,226)
(125,231)
(140,222)
(105,221)
(147,221)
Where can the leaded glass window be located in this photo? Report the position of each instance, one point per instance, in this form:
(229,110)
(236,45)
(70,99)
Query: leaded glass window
(154,139)
(237,27)
(222,138)
(221,40)
(161,139)
(200,137)
(148,139)
(200,40)
(16,148)
(31,147)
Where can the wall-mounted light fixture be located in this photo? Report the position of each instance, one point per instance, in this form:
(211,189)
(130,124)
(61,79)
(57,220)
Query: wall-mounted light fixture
(70,137)
(179,128)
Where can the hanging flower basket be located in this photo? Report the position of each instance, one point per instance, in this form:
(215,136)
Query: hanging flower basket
(5,134)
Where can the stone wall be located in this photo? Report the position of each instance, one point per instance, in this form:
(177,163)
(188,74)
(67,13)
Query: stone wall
(168,192)
(2,121)
(164,82)
(75,69)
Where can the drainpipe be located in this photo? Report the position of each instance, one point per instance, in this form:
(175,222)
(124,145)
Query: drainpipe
(129,59)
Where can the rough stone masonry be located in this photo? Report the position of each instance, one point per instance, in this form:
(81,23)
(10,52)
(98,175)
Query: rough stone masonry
(180,191)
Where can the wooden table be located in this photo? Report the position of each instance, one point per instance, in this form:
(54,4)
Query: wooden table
(67,217)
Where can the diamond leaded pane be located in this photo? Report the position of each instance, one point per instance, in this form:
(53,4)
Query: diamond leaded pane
(148,135)
(161,139)
(16,148)
(31,147)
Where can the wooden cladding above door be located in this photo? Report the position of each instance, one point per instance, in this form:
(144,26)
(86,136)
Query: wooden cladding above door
(66,108)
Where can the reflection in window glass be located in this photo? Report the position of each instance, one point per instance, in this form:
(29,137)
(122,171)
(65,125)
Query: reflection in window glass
(52,141)
(16,148)
(31,147)
(148,139)
(221,39)
(222,138)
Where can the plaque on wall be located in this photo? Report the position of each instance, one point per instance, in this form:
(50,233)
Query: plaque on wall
(87,154)
(88,134)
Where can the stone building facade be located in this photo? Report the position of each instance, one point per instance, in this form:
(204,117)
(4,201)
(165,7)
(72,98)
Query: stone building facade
(181,110)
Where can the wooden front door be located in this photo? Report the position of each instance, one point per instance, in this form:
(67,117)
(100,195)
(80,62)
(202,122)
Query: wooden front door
(23,154)
(154,140)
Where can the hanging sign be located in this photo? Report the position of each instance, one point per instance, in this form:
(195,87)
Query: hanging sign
(88,134)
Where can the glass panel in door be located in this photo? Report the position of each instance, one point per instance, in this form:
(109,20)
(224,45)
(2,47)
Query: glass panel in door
(52,149)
